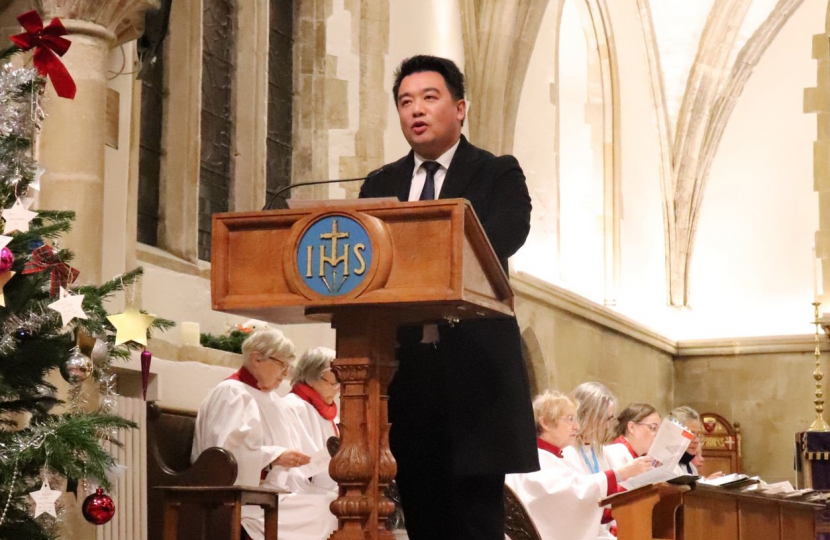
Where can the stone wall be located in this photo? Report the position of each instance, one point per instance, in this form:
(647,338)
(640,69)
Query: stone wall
(571,340)
(769,393)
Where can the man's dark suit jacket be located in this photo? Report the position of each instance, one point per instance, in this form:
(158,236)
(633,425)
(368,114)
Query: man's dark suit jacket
(488,395)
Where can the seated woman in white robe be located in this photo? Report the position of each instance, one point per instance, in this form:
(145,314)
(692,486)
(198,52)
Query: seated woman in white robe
(595,414)
(244,415)
(690,419)
(636,428)
(563,501)
(314,388)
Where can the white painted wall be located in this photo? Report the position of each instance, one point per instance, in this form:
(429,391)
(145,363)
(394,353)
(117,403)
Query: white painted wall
(751,273)
(424,27)
(752,270)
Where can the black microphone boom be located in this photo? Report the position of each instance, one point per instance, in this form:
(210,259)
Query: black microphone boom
(289,187)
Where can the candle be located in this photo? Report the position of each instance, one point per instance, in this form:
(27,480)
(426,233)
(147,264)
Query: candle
(190,333)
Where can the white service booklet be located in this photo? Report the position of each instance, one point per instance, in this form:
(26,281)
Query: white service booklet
(670,443)
(668,447)
(319,463)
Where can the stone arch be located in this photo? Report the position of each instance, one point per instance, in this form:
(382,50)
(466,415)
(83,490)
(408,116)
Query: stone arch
(716,81)
(538,370)
(602,111)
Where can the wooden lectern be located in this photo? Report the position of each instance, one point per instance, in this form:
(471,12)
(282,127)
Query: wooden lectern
(365,266)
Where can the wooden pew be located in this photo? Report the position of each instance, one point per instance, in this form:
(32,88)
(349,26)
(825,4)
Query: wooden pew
(665,511)
(204,489)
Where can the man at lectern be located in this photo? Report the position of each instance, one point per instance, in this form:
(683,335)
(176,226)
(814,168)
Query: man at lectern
(460,403)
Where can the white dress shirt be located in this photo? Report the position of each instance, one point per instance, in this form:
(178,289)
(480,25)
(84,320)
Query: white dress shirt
(419,178)
(419,174)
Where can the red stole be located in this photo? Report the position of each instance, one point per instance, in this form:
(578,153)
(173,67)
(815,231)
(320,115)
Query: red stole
(244,376)
(622,440)
(312,397)
(548,447)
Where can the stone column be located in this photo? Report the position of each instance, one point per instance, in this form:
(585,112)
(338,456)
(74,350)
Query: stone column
(817,100)
(71,146)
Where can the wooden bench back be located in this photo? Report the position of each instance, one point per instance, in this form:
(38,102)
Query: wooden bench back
(169,442)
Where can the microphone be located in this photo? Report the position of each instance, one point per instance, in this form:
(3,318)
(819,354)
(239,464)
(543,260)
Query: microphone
(289,187)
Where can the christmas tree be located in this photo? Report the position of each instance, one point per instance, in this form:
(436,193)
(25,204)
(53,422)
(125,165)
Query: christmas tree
(45,320)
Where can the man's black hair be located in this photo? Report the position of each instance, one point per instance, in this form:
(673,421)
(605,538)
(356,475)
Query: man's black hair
(423,62)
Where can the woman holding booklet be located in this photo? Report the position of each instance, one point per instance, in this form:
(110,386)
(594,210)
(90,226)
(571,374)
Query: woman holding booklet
(561,498)
(636,427)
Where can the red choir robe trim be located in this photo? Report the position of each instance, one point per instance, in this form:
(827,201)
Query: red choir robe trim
(312,397)
(548,447)
(623,441)
(244,376)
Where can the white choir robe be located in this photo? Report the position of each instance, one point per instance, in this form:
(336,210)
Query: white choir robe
(319,431)
(617,455)
(574,458)
(256,427)
(561,501)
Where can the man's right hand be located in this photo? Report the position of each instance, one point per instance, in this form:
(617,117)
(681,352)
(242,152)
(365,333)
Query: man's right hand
(291,458)
(638,466)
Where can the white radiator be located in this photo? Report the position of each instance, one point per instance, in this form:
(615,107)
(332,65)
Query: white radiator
(130,492)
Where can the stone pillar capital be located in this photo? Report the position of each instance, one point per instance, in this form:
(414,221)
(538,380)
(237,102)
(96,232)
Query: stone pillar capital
(123,19)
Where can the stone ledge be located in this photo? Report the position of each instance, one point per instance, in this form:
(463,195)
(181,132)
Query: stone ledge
(532,288)
(191,353)
(159,257)
(527,286)
(749,345)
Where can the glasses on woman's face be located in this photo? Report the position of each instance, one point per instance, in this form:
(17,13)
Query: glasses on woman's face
(652,427)
(569,419)
(284,366)
(333,382)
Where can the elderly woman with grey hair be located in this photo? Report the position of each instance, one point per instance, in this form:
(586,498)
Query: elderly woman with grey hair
(313,390)
(244,415)
(690,419)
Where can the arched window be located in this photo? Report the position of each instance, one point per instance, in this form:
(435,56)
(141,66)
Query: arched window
(567,128)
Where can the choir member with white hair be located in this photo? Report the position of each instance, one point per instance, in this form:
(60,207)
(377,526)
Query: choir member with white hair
(561,499)
(244,415)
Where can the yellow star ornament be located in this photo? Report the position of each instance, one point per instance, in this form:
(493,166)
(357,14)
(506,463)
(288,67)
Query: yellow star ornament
(131,325)
(4,278)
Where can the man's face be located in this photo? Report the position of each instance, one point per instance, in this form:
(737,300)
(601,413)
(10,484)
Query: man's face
(430,117)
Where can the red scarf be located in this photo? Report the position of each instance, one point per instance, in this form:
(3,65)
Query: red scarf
(548,447)
(311,396)
(622,440)
(244,376)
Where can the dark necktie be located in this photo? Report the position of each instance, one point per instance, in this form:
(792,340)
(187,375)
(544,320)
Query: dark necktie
(428,192)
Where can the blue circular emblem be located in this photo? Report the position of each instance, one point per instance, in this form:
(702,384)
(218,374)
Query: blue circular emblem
(334,255)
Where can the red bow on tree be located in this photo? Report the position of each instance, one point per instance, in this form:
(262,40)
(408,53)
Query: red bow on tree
(44,258)
(48,45)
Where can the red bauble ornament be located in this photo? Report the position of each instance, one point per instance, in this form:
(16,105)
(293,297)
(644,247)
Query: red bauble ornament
(6,260)
(98,508)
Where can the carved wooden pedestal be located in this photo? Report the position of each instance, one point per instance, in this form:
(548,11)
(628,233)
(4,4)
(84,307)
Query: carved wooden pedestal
(364,466)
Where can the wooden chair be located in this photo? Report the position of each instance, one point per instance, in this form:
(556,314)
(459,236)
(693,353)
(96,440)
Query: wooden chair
(517,522)
(721,445)
(207,483)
